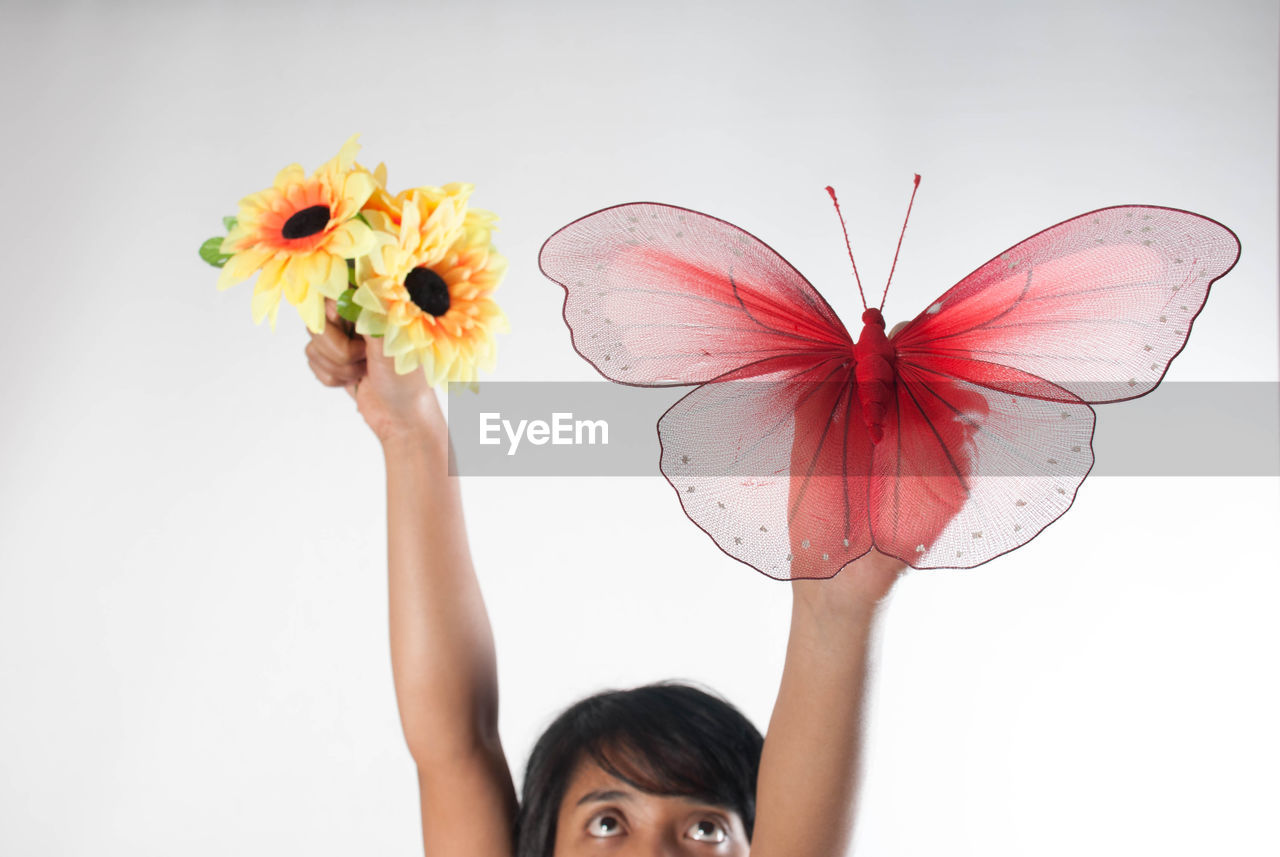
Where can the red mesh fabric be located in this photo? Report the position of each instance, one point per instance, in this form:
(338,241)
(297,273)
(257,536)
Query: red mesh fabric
(1099,304)
(658,295)
(765,462)
(988,431)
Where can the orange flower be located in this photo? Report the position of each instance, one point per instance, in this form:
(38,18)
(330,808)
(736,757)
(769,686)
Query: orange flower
(381,200)
(434,308)
(299,232)
(427,198)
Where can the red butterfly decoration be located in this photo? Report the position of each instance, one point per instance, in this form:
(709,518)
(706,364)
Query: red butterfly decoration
(952,441)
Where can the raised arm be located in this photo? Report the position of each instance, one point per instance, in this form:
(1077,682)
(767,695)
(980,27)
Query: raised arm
(805,798)
(442,652)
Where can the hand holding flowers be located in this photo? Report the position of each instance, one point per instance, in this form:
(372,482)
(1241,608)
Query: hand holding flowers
(417,269)
(396,407)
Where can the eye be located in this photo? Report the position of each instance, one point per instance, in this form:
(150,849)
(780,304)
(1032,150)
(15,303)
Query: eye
(707,830)
(605,825)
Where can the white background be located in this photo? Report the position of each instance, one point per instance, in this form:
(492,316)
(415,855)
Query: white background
(193,652)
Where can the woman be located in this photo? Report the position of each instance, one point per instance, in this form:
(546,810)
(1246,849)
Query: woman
(664,770)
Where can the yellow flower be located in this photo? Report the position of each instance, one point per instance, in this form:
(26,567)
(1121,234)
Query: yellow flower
(300,232)
(433,306)
(419,228)
(380,199)
(428,198)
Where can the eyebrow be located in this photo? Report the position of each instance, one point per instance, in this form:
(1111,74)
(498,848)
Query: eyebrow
(600,796)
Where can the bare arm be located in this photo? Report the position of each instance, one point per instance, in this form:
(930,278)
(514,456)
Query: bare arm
(810,767)
(442,652)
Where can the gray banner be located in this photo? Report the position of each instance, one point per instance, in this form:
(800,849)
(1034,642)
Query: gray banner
(745,428)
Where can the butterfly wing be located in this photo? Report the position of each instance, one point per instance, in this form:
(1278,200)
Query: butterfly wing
(966,473)
(773,464)
(994,379)
(658,295)
(1099,305)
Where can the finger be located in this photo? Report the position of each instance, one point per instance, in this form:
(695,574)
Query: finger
(373,355)
(334,344)
(336,319)
(341,345)
(335,378)
(344,372)
(324,376)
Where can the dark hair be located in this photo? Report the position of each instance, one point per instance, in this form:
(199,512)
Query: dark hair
(666,738)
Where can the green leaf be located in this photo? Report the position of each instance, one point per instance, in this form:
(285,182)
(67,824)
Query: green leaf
(347,308)
(360,216)
(211,252)
(229,222)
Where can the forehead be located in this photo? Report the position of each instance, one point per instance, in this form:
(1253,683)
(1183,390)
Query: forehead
(591,783)
(588,776)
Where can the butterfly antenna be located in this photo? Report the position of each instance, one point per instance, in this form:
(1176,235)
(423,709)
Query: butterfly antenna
(832,192)
(915,187)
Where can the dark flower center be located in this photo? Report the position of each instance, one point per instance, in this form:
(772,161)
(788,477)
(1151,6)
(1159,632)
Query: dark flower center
(309,221)
(428,290)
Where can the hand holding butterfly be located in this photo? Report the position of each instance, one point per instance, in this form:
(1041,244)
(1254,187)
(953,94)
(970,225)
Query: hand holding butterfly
(856,591)
(811,766)
(809,772)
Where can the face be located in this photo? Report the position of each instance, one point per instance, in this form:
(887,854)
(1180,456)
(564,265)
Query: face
(602,815)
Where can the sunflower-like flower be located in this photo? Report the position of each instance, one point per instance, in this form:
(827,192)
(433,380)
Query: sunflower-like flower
(381,199)
(427,199)
(433,306)
(300,232)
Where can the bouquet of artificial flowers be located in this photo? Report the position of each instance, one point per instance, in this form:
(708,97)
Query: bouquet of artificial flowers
(417,269)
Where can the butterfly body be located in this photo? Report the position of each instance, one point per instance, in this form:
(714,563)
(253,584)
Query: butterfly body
(873,368)
(955,440)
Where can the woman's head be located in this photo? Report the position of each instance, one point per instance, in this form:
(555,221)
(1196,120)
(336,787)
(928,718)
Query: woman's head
(660,760)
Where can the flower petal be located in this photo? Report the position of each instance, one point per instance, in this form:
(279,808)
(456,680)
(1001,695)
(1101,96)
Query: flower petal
(406,362)
(347,154)
(237,239)
(241,265)
(269,279)
(312,311)
(367,298)
(351,239)
(410,217)
(290,175)
(356,190)
(332,279)
(295,278)
(371,324)
(263,303)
